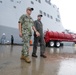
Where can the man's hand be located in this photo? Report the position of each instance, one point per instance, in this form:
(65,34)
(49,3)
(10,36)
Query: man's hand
(20,34)
(37,33)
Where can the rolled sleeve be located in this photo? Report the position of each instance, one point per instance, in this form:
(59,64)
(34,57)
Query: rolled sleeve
(21,19)
(32,22)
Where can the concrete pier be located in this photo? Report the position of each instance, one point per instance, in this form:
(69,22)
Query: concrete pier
(59,61)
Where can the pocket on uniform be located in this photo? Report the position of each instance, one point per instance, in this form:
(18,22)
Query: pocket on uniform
(26,20)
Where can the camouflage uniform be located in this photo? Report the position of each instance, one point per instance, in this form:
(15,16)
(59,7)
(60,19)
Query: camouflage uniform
(27,23)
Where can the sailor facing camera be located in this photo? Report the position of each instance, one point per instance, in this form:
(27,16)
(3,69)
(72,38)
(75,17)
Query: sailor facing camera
(25,25)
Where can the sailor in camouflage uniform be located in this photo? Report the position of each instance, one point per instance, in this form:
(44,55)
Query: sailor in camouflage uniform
(25,32)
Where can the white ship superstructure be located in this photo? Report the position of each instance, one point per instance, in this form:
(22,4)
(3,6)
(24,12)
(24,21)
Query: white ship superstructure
(11,10)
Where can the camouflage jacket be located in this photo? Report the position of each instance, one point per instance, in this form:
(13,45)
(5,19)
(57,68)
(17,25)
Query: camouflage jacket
(27,23)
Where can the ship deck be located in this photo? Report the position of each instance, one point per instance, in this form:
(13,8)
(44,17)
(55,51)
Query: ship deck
(59,61)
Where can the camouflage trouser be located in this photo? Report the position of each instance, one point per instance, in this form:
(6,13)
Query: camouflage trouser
(25,48)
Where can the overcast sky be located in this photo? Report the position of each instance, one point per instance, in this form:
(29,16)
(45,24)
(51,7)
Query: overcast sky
(67,10)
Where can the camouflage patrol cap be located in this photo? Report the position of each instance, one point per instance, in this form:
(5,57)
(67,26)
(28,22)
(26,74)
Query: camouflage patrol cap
(40,15)
(29,8)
